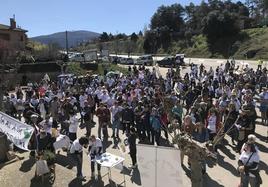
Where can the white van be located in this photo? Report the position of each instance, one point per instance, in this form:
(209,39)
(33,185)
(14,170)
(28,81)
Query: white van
(146,60)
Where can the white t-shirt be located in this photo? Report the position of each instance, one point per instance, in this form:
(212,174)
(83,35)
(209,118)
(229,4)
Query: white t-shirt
(244,157)
(95,145)
(73,124)
(104,98)
(82,99)
(76,147)
(114,111)
(212,120)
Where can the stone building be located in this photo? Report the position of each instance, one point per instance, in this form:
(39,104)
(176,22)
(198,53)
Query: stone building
(12,38)
(13,35)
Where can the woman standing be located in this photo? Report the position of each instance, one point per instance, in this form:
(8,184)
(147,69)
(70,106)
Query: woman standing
(248,166)
(212,124)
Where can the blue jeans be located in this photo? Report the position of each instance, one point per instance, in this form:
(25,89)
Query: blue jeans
(246,180)
(115,127)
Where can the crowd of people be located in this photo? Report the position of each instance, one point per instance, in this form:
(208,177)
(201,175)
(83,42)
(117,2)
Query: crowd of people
(207,102)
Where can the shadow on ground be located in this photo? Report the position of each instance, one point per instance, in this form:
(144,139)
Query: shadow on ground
(27,165)
(65,161)
(227,166)
(207,180)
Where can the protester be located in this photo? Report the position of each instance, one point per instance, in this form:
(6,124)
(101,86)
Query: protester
(205,105)
(103,113)
(116,110)
(73,125)
(248,165)
(132,147)
(77,151)
(95,149)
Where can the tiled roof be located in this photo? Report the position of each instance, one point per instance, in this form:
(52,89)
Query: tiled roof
(6,27)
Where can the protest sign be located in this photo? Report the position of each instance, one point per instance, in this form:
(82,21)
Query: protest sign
(159,166)
(17,132)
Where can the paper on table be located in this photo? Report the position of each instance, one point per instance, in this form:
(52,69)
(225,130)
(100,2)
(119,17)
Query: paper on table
(109,160)
(62,141)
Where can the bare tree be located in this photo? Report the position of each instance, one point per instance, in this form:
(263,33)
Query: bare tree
(4,50)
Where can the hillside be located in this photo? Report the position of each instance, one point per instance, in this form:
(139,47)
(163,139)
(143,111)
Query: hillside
(253,42)
(250,43)
(74,37)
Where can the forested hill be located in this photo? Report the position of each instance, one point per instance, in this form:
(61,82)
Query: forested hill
(253,42)
(213,28)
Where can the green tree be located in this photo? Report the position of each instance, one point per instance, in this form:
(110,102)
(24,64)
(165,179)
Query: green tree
(170,17)
(151,42)
(111,37)
(104,37)
(134,37)
(121,36)
(220,24)
(129,46)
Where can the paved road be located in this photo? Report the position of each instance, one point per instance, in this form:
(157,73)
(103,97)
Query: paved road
(205,61)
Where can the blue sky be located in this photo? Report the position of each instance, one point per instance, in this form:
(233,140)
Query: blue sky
(42,17)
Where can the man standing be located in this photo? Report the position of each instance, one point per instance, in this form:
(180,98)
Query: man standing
(94,150)
(138,119)
(77,151)
(132,147)
(116,115)
(127,118)
(103,113)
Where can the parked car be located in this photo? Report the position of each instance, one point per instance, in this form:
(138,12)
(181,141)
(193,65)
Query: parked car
(146,60)
(77,57)
(123,60)
(179,58)
(115,60)
(129,61)
(168,61)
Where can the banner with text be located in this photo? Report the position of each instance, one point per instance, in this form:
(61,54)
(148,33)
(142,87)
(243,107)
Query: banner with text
(17,132)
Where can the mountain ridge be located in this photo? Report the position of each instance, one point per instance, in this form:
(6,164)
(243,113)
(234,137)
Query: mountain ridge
(74,37)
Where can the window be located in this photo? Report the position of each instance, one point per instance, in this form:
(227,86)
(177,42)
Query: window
(21,38)
(4,36)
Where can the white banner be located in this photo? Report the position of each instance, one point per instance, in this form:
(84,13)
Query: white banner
(159,166)
(17,132)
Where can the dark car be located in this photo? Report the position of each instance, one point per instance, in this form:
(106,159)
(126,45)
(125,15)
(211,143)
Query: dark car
(168,61)
(115,60)
(179,58)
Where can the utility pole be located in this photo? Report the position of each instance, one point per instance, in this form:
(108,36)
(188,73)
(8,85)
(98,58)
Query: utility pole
(66,40)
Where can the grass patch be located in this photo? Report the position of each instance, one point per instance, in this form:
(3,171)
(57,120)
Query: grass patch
(75,68)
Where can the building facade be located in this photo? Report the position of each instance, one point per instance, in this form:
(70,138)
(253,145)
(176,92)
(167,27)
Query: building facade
(12,36)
